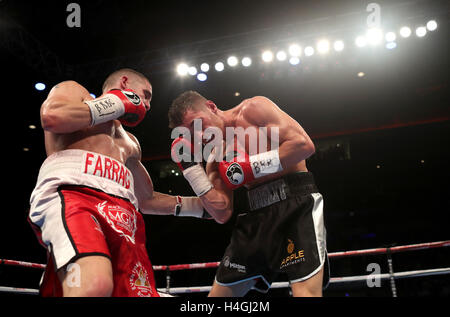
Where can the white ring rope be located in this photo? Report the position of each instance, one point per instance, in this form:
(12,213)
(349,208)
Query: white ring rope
(333,280)
(199,289)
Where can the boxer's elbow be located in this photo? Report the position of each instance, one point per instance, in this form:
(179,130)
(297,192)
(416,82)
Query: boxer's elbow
(219,208)
(51,123)
(308,148)
(52,118)
(301,148)
(223,216)
(221,213)
(62,116)
(218,205)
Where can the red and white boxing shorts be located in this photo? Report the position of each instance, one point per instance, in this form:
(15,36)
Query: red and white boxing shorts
(83,205)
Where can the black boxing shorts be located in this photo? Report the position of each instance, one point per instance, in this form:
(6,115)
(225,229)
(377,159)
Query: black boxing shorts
(279,229)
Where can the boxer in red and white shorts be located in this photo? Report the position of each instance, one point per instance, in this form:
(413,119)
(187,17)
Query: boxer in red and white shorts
(84,205)
(92,188)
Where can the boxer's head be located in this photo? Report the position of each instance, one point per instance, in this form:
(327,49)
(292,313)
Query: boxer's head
(189,106)
(127,78)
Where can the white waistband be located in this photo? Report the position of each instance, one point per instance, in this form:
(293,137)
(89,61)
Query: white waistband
(85,168)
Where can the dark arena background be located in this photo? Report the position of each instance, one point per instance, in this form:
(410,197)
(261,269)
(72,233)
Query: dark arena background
(370,85)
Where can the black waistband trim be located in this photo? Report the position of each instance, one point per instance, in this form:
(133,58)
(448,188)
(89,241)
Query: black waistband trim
(287,186)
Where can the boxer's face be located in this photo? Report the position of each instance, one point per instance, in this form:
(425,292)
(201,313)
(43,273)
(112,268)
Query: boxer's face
(144,91)
(140,86)
(208,117)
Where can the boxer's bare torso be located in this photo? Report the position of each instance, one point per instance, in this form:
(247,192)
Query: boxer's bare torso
(66,122)
(109,139)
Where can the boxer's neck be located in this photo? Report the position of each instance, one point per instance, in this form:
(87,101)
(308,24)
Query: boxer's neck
(229,117)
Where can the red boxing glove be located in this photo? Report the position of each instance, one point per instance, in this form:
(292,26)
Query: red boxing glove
(124,105)
(182,152)
(242,168)
(134,107)
(236,172)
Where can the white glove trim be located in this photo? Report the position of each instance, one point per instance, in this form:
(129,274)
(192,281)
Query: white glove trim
(197,178)
(105,108)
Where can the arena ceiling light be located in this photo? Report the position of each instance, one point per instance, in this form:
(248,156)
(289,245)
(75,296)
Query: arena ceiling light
(232,61)
(405,31)
(323,46)
(192,71)
(182,69)
(295,50)
(204,67)
(391,45)
(219,66)
(338,45)
(309,51)
(39,86)
(294,60)
(390,37)
(202,77)
(421,31)
(432,25)
(374,36)
(246,61)
(267,56)
(281,56)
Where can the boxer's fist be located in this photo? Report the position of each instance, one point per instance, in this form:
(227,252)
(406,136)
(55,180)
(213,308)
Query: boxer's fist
(242,168)
(134,108)
(182,151)
(237,170)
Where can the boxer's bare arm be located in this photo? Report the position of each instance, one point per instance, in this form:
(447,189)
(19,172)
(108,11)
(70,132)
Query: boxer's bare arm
(150,202)
(64,110)
(217,201)
(294,143)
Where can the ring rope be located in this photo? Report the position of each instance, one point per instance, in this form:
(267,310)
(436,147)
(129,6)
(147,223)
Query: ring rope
(333,280)
(177,267)
(18,290)
(179,290)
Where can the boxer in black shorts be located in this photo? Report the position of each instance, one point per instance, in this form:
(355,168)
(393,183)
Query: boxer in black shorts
(279,211)
(279,229)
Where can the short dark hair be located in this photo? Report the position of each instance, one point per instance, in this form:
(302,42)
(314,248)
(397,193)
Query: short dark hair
(120,72)
(187,100)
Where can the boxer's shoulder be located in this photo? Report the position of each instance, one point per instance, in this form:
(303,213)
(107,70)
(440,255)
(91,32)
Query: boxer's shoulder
(257,109)
(69,88)
(69,84)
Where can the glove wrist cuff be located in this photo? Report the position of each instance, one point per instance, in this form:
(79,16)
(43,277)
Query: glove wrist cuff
(197,178)
(265,163)
(190,207)
(105,108)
